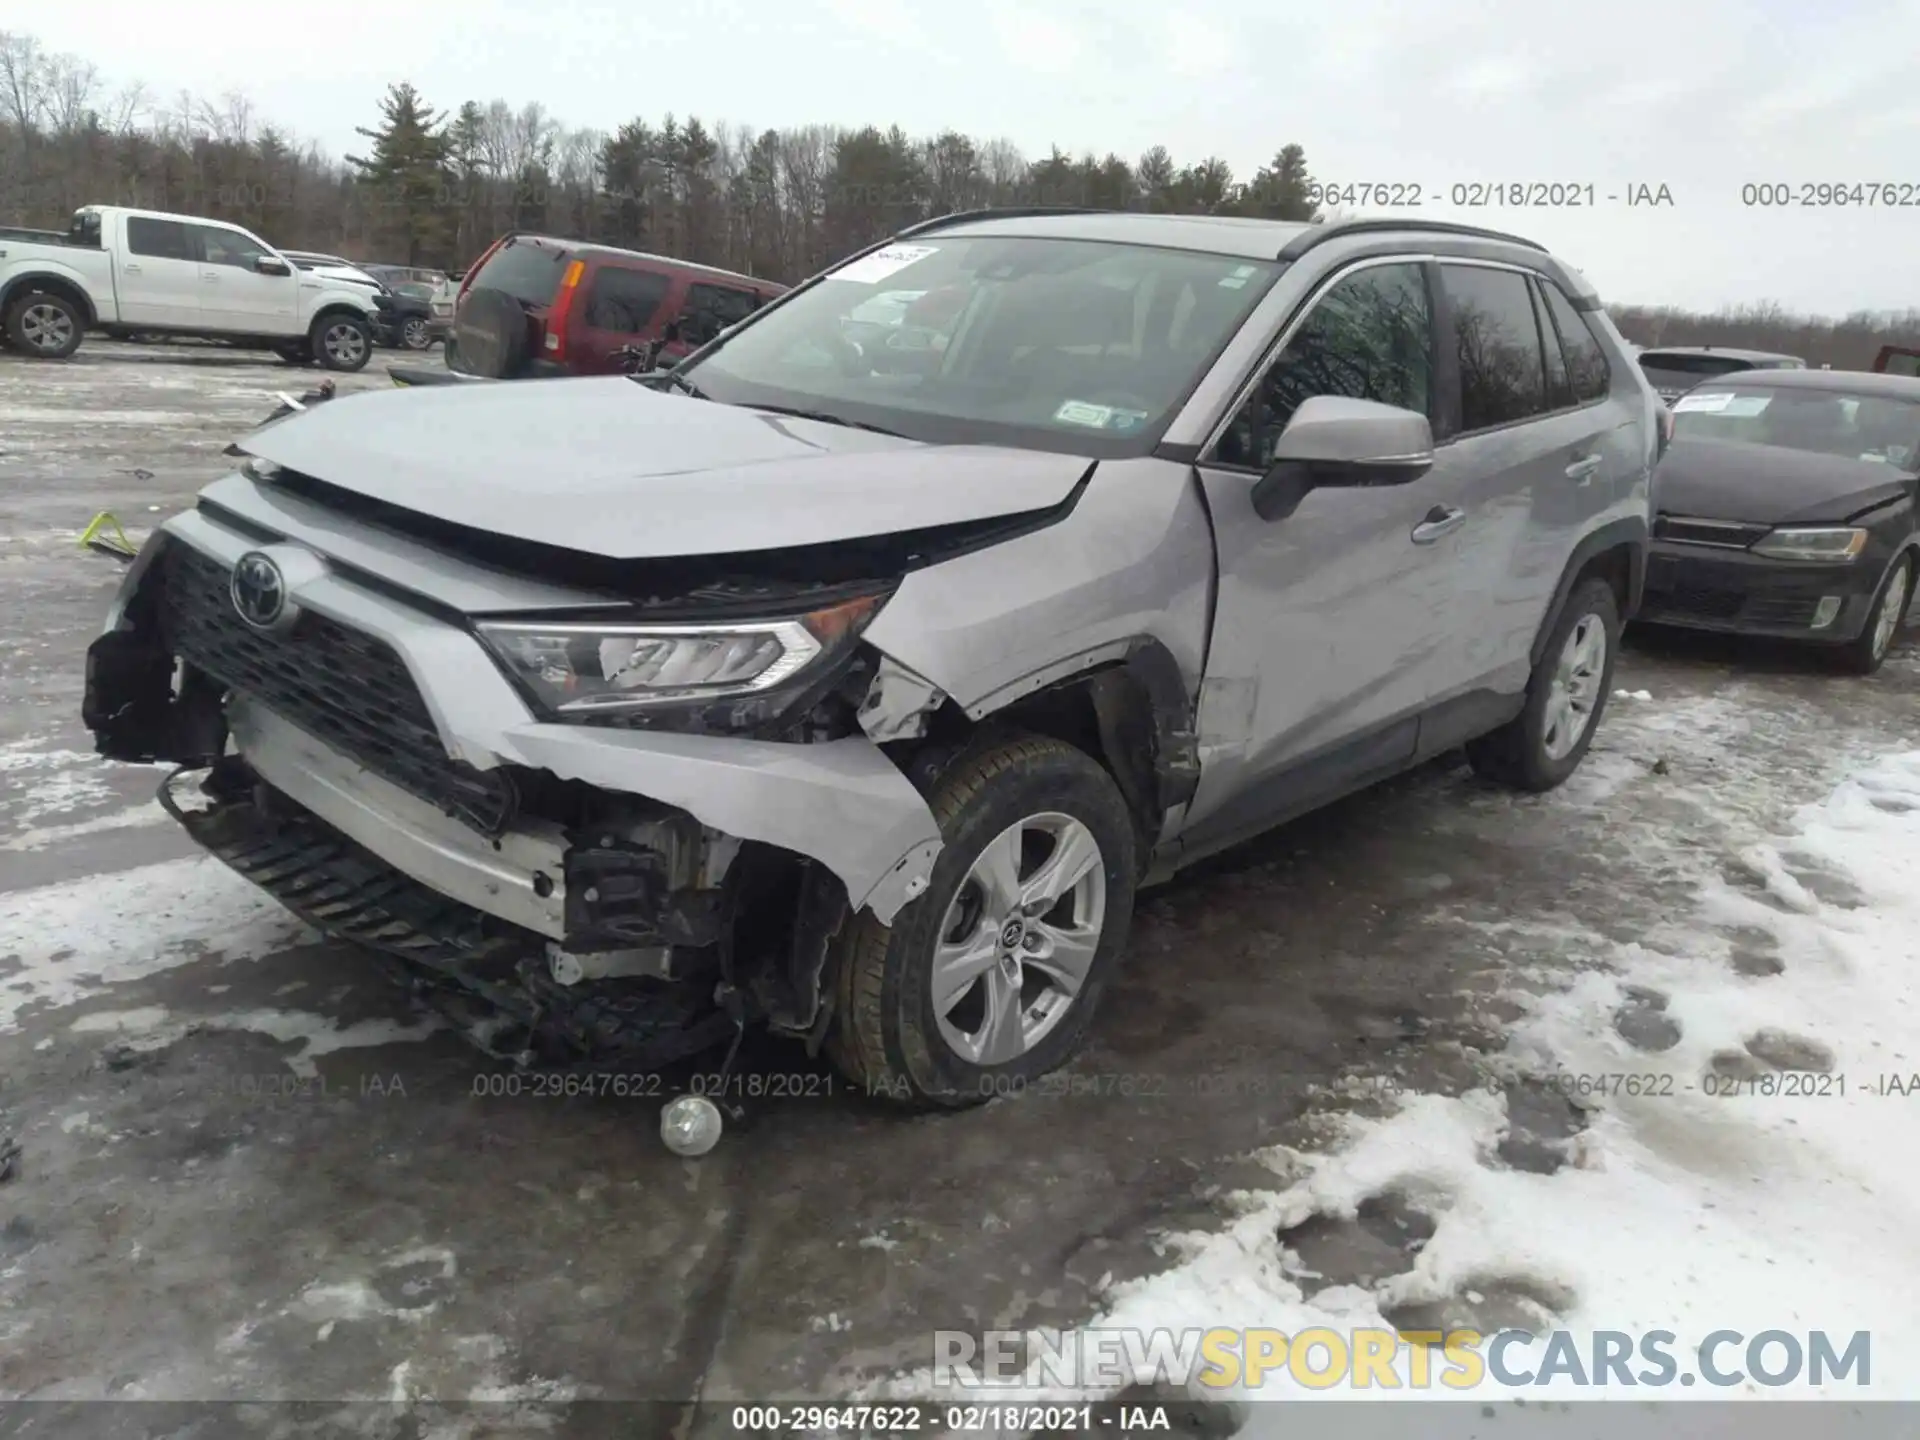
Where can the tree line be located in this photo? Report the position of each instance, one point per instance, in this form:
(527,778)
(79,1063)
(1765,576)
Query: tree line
(436,187)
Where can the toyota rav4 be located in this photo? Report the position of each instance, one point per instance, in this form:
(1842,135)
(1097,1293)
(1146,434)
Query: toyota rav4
(855,689)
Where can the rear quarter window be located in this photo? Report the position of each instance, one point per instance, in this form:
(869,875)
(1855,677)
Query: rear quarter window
(624,300)
(528,271)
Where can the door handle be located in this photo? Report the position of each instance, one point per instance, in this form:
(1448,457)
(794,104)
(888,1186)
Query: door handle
(210,279)
(1583,468)
(130,269)
(1441,520)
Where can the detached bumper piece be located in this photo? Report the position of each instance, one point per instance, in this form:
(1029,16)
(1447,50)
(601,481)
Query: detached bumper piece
(448,955)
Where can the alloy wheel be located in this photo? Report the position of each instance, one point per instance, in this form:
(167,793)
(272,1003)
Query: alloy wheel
(345,343)
(1019,938)
(1574,694)
(46,328)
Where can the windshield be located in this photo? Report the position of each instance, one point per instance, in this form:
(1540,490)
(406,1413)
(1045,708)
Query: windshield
(1083,346)
(1818,422)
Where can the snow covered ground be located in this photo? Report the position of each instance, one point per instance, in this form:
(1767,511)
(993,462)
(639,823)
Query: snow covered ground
(1740,1153)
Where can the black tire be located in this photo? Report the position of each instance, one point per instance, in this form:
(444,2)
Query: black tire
(1865,653)
(44,326)
(492,334)
(341,341)
(1516,754)
(884,1035)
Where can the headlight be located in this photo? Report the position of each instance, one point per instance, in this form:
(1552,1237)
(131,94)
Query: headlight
(1833,545)
(585,668)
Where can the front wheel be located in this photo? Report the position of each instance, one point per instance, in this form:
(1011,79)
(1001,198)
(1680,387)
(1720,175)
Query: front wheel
(1864,654)
(414,335)
(990,978)
(342,342)
(44,326)
(1545,743)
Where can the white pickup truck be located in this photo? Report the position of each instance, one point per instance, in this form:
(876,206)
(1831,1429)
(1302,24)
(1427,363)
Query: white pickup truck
(142,272)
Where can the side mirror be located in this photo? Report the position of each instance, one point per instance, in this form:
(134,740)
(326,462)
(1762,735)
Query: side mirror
(1333,442)
(271,265)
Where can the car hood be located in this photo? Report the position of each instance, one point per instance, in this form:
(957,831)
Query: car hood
(1768,485)
(609,467)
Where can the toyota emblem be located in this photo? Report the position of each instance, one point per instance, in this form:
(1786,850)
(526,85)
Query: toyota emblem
(259,590)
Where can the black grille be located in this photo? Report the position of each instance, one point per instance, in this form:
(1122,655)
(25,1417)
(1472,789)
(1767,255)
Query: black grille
(348,689)
(1699,600)
(1706,532)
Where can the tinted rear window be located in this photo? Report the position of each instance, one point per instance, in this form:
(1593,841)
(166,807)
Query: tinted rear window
(526,270)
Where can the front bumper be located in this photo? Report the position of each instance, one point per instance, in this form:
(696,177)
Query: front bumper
(1735,592)
(395,727)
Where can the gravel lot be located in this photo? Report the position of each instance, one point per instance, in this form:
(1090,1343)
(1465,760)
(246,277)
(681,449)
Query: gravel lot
(248,1171)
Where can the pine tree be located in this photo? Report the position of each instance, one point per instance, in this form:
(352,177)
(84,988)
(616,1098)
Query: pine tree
(409,175)
(1283,189)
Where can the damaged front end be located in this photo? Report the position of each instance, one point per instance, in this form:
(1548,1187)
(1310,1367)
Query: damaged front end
(579,888)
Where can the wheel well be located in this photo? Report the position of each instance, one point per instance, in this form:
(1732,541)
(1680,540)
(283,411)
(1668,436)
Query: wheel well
(1108,714)
(50,285)
(1615,566)
(338,307)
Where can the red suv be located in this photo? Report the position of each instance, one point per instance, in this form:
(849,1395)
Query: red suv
(536,306)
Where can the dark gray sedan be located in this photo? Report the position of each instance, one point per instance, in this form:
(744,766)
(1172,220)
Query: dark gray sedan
(1786,506)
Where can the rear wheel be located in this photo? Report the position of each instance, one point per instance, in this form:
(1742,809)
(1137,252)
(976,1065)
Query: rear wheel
(1864,654)
(44,325)
(341,341)
(991,977)
(1546,742)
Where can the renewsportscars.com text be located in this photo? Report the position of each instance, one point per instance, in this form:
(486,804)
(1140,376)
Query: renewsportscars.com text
(1385,1359)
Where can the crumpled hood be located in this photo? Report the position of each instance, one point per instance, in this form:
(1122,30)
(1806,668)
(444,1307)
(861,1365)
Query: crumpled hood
(1769,485)
(609,467)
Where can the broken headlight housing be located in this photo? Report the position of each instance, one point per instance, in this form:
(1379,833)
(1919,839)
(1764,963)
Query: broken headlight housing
(585,669)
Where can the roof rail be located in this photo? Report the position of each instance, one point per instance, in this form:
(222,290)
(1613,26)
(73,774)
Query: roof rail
(1335,229)
(1010,212)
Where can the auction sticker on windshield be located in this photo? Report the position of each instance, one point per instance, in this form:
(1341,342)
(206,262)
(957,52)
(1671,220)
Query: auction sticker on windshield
(1097,417)
(1715,402)
(888,260)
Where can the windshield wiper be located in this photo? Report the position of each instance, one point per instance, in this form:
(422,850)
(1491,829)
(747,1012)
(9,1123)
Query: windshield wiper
(825,419)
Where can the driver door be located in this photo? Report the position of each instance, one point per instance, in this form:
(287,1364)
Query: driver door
(1329,623)
(237,298)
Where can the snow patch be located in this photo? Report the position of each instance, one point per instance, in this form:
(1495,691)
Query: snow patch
(78,939)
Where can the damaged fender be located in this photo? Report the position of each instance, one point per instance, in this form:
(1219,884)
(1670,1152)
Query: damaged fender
(841,802)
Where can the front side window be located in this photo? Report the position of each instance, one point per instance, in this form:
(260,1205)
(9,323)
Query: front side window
(1370,337)
(1082,346)
(1817,422)
(1497,341)
(228,247)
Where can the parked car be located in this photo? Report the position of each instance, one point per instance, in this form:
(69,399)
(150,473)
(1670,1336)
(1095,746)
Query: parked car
(1897,360)
(1674,370)
(805,687)
(130,272)
(534,305)
(1786,508)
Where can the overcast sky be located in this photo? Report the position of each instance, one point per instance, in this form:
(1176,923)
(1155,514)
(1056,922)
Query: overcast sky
(1701,96)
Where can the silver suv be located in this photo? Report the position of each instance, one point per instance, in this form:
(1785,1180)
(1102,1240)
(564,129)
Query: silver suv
(855,689)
